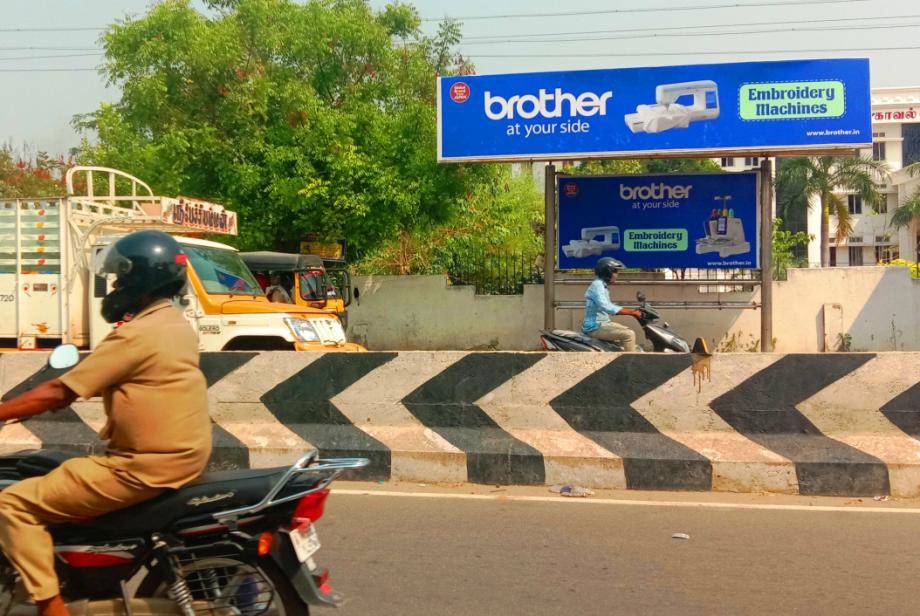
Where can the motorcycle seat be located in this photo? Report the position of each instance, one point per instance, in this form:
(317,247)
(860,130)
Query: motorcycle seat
(583,339)
(210,493)
(195,502)
(575,336)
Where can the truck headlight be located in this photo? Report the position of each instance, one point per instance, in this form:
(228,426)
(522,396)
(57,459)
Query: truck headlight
(302,329)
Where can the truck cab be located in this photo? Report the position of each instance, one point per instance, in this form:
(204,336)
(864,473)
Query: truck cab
(305,279)
(228,309)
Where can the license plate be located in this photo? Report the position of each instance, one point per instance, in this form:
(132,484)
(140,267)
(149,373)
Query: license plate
(305,541)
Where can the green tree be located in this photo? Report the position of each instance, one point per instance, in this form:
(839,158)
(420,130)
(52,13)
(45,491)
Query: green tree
(908,211)
(636,166)
(303,117)
(499,218)
(791,200)
(784,244)
(819,178)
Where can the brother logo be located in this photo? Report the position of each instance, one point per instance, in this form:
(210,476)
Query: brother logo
(654,191)
(546,104)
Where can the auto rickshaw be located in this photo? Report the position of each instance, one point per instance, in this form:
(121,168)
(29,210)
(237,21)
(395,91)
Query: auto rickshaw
(305,280)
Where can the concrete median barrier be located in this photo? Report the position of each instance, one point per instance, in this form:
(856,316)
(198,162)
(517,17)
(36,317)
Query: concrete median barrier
(843,423)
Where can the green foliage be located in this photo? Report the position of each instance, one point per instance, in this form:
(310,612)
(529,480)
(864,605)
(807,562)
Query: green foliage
(633,167)
(23,176)
(801,179)
(503,216)
(791,197)
(784,243)
(302,117)
(908,211)
(681,165)
(844,343)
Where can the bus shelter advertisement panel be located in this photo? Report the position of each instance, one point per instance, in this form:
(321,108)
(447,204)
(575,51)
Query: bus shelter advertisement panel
(659,221)
(793,105)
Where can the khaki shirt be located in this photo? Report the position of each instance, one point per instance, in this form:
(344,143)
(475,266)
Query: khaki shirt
(156,400)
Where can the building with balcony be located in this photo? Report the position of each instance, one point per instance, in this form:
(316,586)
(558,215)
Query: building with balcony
(895,140)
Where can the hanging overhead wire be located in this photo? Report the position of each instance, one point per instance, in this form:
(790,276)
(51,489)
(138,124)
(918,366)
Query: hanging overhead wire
(41,29)
(696,34)
(68,55)
(690,53)
(49,48)
(46,70)
(669,9)
(525,37)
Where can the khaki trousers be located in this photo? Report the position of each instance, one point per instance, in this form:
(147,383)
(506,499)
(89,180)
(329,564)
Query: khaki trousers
(614,332)
(79,489)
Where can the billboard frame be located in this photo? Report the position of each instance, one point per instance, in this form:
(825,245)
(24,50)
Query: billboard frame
(764,201)
(769,151)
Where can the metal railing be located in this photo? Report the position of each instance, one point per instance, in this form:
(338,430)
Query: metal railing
(497,274)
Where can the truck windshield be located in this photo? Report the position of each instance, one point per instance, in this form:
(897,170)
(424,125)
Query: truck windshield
(221,271)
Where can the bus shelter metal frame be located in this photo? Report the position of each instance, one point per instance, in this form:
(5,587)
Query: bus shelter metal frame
(764,281)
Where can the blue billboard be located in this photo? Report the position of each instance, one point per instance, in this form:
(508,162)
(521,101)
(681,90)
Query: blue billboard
(756,107)
(654,221)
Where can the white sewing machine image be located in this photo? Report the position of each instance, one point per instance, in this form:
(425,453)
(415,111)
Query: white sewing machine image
(667,113)
(732,242)
(589,244)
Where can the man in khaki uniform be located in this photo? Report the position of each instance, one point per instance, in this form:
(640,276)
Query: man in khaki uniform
(155,399)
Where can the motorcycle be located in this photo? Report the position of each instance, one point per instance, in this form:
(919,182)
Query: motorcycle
(240,542)
(656,331)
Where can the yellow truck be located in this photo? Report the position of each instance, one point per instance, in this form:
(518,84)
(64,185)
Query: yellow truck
(305,279)
(48,295)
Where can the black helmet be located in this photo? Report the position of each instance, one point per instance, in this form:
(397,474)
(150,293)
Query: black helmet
(147,265)
(606,267)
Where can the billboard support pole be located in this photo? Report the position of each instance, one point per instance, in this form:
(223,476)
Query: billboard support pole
(549,249)
(766,256)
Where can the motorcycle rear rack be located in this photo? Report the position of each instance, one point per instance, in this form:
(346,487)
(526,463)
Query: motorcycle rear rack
(309,464)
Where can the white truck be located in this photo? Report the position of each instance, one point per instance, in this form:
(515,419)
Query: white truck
(48,296)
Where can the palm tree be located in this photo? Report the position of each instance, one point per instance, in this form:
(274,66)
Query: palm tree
(818,177)
(910,209)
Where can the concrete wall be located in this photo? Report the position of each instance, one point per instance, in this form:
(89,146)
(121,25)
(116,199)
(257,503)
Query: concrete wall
(836,423)
(878,307)
(425,313)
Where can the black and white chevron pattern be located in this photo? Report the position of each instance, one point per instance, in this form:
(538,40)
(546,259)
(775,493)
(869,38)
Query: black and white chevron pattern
(846,424)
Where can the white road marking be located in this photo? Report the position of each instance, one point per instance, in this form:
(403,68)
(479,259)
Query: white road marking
(626,502)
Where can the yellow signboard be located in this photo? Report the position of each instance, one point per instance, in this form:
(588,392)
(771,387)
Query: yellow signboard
(328,251)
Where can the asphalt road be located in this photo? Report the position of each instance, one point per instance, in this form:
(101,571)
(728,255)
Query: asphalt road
(411,555)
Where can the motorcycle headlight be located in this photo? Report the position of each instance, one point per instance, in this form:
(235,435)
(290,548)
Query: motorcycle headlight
(302,329)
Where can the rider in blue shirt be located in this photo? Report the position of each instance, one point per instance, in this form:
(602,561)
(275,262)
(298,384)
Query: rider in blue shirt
(598,308)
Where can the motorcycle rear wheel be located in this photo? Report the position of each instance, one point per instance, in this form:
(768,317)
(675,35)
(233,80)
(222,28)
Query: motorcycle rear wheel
(230,585)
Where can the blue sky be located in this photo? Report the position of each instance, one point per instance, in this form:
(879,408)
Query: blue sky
(36,107)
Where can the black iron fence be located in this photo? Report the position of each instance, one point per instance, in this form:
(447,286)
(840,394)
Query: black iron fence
(507,273)
(711,280)
(497,274)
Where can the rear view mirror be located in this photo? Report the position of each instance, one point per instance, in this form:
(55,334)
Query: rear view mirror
(64,356)
(640,296)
